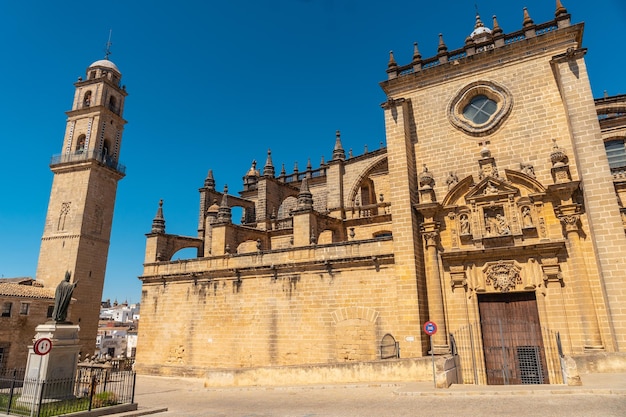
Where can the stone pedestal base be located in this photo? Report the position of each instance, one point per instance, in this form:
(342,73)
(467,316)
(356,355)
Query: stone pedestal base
(57,369)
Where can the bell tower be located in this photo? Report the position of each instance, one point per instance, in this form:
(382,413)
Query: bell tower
(80,211)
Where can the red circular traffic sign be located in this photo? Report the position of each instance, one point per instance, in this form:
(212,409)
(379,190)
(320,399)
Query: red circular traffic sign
(42,346)
(430,328)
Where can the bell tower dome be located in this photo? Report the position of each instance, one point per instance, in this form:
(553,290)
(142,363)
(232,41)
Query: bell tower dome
(80,210)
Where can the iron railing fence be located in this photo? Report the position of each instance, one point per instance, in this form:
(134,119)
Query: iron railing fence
(93,387)
(7,375)
(86,155)
(122,364)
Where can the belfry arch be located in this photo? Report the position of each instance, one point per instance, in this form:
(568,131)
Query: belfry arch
(363,182)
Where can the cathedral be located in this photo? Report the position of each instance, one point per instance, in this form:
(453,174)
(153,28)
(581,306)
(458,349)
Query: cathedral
(488,233)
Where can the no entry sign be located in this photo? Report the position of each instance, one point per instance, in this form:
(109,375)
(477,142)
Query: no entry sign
(42,346)
(430,328)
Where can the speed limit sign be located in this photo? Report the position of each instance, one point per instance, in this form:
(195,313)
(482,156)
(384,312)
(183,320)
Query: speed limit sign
(42,346)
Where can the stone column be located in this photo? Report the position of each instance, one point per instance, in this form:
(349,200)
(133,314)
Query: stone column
(408,249)
(592,340)
(434,289)
(602,214)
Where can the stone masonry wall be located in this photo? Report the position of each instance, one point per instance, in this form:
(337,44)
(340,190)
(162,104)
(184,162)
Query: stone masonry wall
(288,317)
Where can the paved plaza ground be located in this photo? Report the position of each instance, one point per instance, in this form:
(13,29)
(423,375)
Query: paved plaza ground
(602,395)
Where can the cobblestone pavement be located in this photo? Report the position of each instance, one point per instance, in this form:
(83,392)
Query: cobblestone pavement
(603,395)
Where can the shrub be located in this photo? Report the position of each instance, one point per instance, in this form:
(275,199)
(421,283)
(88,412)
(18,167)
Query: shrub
(104,399)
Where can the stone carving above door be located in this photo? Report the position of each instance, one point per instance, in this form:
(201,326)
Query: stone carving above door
(495,212)
(502,276)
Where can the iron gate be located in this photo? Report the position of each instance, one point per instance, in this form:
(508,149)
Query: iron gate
(507,352)
(389,348)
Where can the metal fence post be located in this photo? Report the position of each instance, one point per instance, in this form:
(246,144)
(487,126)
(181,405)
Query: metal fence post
(41,392)
(132,396)
(92,388)
(471,337)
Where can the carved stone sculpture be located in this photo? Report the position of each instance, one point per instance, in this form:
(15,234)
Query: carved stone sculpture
(62,298)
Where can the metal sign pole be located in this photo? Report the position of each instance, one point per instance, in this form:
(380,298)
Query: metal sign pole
(432,356)
(430,328)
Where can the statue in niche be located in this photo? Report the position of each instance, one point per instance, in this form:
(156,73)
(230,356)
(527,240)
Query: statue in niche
(527,220)
(465,224)
(491,225)
(503,225)
(497,225)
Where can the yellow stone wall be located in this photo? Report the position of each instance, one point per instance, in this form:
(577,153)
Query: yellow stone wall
(300,312)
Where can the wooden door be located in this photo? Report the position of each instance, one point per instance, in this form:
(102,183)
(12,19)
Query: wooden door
(512,341)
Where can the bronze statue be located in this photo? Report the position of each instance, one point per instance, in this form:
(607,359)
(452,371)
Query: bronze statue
(62,298)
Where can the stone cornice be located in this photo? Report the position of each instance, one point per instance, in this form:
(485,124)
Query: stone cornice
(531,250)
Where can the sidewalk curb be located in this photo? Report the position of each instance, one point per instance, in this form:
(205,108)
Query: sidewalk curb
(444,392)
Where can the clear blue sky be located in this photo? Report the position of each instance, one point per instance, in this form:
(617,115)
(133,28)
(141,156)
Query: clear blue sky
(213,85)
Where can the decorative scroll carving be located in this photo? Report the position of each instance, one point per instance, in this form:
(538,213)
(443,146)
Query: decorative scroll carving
(458,278)
(551,271)
(503,276)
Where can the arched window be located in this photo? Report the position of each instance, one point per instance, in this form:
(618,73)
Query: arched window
(80,144)
(87,99)
(238,215)
(616,153)
(288,204)
(112,104)
(106,152)
(367,192)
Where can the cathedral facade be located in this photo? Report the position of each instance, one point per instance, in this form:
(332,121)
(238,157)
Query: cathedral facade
(494,212)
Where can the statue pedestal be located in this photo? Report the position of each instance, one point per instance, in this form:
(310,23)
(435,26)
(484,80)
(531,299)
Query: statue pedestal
(51,376)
